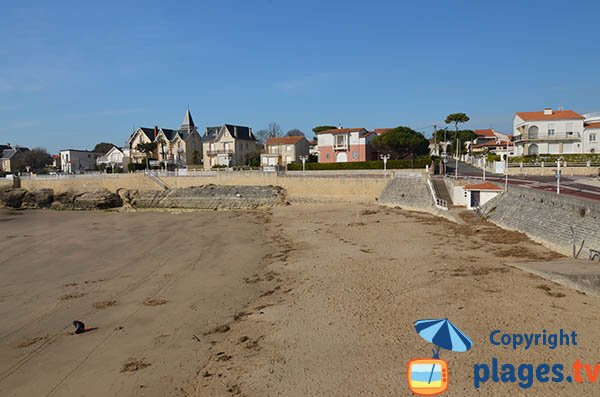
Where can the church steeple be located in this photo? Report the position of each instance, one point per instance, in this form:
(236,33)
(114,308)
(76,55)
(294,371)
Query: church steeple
(188,122)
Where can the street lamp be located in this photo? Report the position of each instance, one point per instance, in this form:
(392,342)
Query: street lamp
(484,165)
(558,174)
(303,158)
(385,158)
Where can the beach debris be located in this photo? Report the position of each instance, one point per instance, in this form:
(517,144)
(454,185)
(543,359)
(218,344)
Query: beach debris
(79,327)
(104,304)
(219,329)
(134,364)
(155,301)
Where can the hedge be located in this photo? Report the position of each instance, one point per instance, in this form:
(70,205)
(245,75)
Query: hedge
(363,165)
(574,158)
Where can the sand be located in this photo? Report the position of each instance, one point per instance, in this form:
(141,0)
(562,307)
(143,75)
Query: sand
(296,301)
(151,285)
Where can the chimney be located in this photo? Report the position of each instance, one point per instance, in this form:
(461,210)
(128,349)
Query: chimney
(547,111)
(155,131)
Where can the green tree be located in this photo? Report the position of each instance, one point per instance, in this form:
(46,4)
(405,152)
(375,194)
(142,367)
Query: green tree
(320,128)
(147,149)
(37,159)
(456,119)
(294,132)
(401,142)
(463,136)
(103,147)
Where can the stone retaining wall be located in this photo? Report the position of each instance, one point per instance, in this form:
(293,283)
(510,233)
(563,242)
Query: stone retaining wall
(409,193)
(547,217)
(338,188)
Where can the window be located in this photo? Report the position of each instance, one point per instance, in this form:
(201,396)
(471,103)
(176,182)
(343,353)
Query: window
(340,141)
(288,148)
(532,132)
(569,129)
(551,129)
(593,137)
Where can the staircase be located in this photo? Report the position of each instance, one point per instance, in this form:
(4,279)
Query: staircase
(441,192)
(157,180)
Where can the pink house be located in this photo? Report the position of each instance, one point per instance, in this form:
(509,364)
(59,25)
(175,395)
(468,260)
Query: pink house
(342,145)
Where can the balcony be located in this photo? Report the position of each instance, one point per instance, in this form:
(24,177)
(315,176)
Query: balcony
(340,146)
(526,137)
(215,152)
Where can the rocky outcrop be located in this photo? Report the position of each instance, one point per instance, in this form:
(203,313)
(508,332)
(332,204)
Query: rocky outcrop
(12,198)
(70,200)
(41,198)
(213,197)
(99,199)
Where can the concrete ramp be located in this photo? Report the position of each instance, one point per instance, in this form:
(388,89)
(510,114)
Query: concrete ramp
(582,275)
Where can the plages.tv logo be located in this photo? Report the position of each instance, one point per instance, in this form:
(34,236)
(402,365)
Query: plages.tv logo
(429,376)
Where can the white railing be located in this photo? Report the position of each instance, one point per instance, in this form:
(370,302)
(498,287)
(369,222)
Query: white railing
(439,202)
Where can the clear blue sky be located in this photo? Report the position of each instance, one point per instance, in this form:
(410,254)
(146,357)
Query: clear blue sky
(76,73)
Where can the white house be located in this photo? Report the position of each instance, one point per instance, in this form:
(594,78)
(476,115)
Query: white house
(591,133)
(115,157)
(74,161)
(284,150)
(478,194)
(549,132)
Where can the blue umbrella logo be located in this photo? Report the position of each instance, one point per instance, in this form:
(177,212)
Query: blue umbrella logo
(443,334)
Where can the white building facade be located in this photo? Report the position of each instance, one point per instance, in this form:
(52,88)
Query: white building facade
(550,132)
(74,161)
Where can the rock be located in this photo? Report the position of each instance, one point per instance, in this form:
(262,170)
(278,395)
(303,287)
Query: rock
(63,200)
(97,200)
(12,198)
(208,197)
(41,198)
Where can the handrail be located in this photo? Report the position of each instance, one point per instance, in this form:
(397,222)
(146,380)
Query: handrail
(439,202)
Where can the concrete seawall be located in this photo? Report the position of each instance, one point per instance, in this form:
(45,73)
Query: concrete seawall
(409,192)
(338,188)
(547,218)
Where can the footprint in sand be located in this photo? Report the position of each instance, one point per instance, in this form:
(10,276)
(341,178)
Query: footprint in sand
(74,295)
(104,304)
(32,341)
(155,301)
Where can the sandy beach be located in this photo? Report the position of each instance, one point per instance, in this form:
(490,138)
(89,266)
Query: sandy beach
(294,301)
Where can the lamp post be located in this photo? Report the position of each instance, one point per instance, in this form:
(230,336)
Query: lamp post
(484,164)
(385,158)
(303,158)
(558,175)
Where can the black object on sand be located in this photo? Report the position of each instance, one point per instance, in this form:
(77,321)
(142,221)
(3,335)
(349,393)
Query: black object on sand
(79,327)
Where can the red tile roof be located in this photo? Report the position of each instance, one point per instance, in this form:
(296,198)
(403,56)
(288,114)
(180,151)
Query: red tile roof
(487,133)
(340,130)
(593,125)
(556,115)
(286,140)
(483,186)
